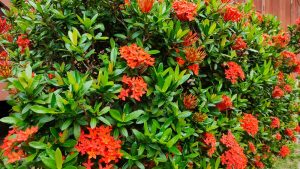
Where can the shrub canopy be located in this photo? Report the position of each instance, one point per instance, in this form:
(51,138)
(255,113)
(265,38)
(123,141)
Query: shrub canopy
(147,84)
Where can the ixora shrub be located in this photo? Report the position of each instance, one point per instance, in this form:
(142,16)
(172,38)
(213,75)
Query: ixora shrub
(147,84)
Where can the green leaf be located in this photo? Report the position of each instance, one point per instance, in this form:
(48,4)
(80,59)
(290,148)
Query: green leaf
(212,28)
(69,143)
(9,120)
(49,162)
(140,165)
(174,150)
(133,115)
(153,52)
(184,114)
(167,83)
(38,145)
(42,110)
(66,124)
(173,141)
(58,159)
(76,130)
(93,122)
(116,115)
(217,163)
(104,120)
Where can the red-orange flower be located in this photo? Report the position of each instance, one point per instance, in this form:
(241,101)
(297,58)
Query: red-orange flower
(225,104)
(190,101)
(5,68)
(250,124)
(278,136)
(289,132)
(290,58)
(258,163)
(259,16)
(145,5)
(234,157)
(210,140)
(11,143)
(190,39)
(136,56)
(185,11)
(23,42)
(180,61)
(281,40)
(252,147)
(127,2)
(284,151)
(4,27)
(234,72)
(240,44)
(275,122)
(277,92)
(288,88)
(98,143)
(232,14)
(194,55)
(194,68)
(226,1)
(136,87)
(297,129)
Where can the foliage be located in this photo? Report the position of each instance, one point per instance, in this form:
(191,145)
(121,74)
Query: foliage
(182,84)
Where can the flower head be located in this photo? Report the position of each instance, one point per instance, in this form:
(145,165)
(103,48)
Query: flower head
(289,132)
(277,92)
(4,27)
(190,101)
(185,10)
(194,68)
(252,147)
(284,151)
(275,123)
(288,88)
(210,140)
(136,56)
(278,136)
(180,61)
(290,58)
(145,5)
(194,55)
(225,104)
(240,44)
(234,157)
(98,143)
(232,14)
(234,72)
(250,124)
(190,39)
(136,87)
(281,40)
(297,129)
(5,68)
(23,42)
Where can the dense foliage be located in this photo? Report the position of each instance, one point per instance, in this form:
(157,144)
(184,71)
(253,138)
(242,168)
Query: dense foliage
(147,84)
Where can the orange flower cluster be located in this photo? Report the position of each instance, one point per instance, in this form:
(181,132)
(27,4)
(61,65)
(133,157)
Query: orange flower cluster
(180,61)
(98,143)
(185,11)
(258,163)
(136,87)
(284,151)
(136,56)
(281,40)
(234,157)
(23,42)
(278,136)
(210,140)
(190,39)
(232,14)
(226,1)
(190,101)
(194,55)
(145,5)
(259,16)
(289,132)
(4,27)
(225,104)
(194,68)
(250,124)
(233,72)
(275,123)
(11,143)
(240,44)
(281,87)
(290,58)
(297,129)
(5,65)
(252,147)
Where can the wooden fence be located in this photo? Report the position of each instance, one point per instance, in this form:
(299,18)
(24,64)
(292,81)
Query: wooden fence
(286,10)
